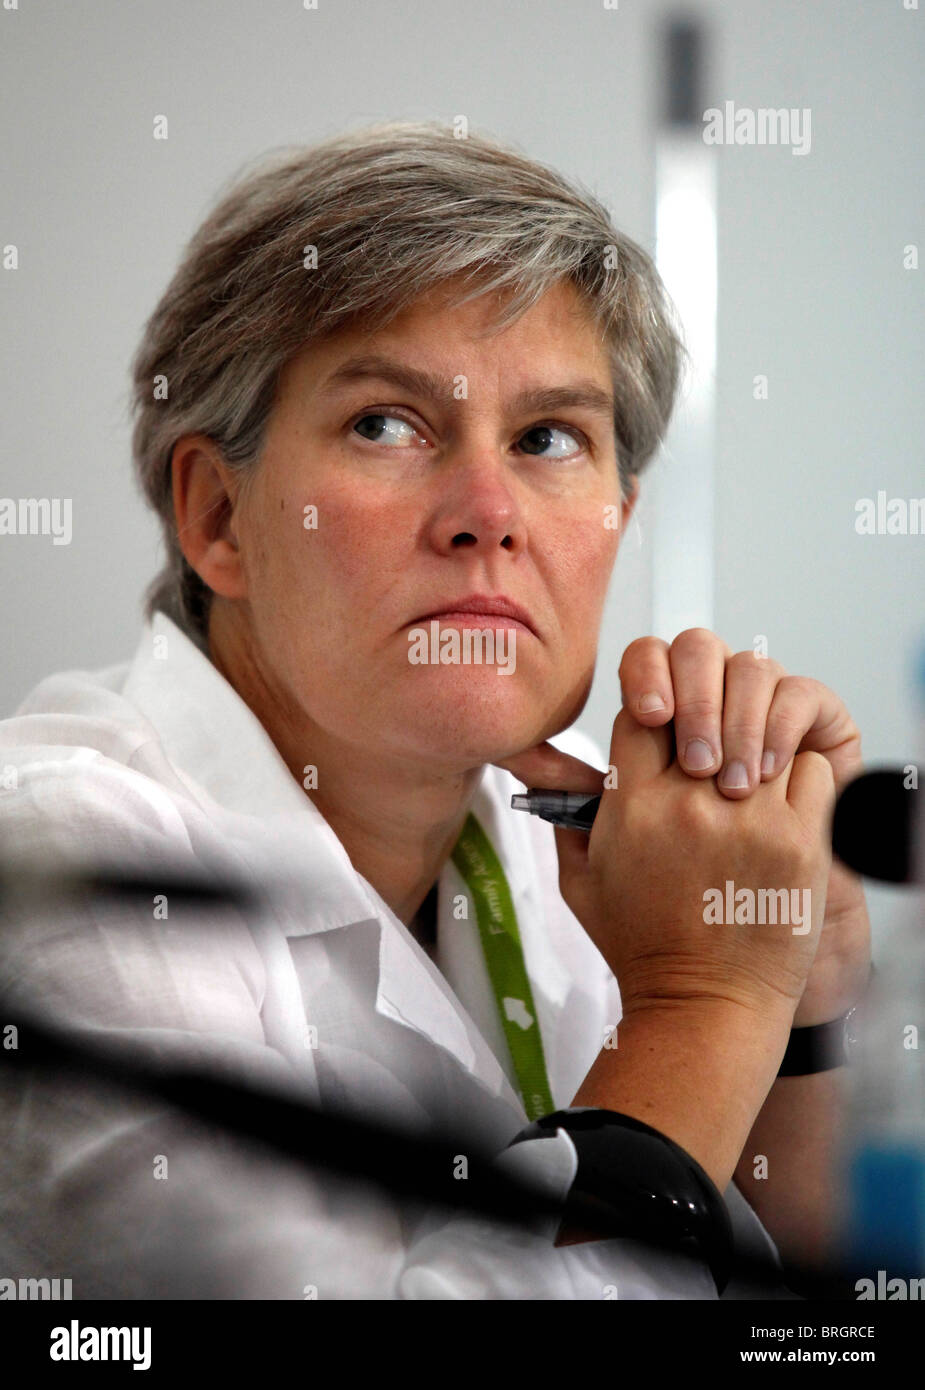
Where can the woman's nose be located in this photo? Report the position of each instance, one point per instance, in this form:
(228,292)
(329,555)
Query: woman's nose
(479,508)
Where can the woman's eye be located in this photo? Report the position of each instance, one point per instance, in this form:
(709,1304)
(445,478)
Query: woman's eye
(541,436)
(544,441)
(386,429)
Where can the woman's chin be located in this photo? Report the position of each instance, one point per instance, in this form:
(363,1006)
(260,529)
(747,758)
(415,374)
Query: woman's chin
(477,722)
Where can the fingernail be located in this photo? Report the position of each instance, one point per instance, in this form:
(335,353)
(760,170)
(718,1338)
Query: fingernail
(698,756)
(735,775)
(767,764)
(651,702)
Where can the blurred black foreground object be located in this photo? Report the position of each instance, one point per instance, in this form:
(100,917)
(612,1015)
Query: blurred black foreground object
(873,825)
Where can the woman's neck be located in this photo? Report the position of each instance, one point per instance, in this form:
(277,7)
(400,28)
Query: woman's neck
(400,832)
(397,821)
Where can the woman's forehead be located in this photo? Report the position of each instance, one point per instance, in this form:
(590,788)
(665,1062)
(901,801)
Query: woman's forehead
(554,336)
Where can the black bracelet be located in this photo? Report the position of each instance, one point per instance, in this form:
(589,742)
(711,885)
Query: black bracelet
(640,1184)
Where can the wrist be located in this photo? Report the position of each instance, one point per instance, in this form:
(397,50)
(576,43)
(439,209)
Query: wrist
(697,1071)
(823,1005)
(766,1018)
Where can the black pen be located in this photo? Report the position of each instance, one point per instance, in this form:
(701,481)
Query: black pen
(574,810)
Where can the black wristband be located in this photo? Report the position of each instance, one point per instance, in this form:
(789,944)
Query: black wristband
(822,1046)
(641,1185)
(819,1048)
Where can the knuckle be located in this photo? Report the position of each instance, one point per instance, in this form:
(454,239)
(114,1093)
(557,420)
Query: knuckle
(782,732)
(642,649)
(799,686)
(696,639)
(787,710)
(743,731)
(695,816)
(696,707)
(745,665)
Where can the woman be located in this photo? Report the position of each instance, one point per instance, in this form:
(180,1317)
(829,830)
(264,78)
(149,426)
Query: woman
(399,393)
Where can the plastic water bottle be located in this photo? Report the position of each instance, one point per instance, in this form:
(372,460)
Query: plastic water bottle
(883,1151)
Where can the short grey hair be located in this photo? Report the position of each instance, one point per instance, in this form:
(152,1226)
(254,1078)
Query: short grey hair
(393,209)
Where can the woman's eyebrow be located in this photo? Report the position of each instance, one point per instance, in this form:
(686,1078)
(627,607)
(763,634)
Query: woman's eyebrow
(582,393)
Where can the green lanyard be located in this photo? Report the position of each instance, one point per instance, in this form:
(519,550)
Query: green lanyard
(476,860)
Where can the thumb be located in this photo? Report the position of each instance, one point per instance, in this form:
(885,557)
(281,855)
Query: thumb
(544,766)
(572,852)
(811,788)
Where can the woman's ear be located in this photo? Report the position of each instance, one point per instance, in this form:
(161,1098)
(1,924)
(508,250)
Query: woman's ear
(205,491)
(630,498)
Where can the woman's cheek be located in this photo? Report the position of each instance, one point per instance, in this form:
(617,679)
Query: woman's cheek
(585,557)
(354,531)
(358,555)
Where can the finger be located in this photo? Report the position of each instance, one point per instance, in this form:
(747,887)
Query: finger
(811,789)
(698,665)
(645,681)
(749,689)
(806,716)
(544,766)
(638,754)
(572,852)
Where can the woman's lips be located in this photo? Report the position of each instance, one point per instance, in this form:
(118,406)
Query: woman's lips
(478,620)
(481,610)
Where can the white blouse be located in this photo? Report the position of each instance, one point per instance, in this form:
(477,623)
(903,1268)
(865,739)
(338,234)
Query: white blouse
(323,991)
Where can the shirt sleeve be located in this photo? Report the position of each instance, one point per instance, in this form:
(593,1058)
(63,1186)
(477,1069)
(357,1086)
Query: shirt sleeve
(129,1198)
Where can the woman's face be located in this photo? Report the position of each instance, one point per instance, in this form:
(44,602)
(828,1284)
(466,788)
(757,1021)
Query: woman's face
(381,499)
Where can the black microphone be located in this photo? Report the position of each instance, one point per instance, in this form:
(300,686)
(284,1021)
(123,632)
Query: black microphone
(873,828)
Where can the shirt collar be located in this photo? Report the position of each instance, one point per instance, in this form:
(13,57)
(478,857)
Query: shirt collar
(206,729)
(224,755)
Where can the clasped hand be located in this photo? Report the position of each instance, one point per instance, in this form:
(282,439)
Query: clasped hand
(740,719)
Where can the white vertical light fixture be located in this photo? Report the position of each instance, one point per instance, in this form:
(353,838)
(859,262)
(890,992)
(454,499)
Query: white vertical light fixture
(685,255)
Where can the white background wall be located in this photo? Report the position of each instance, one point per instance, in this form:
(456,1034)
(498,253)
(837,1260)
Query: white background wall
(812,290)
